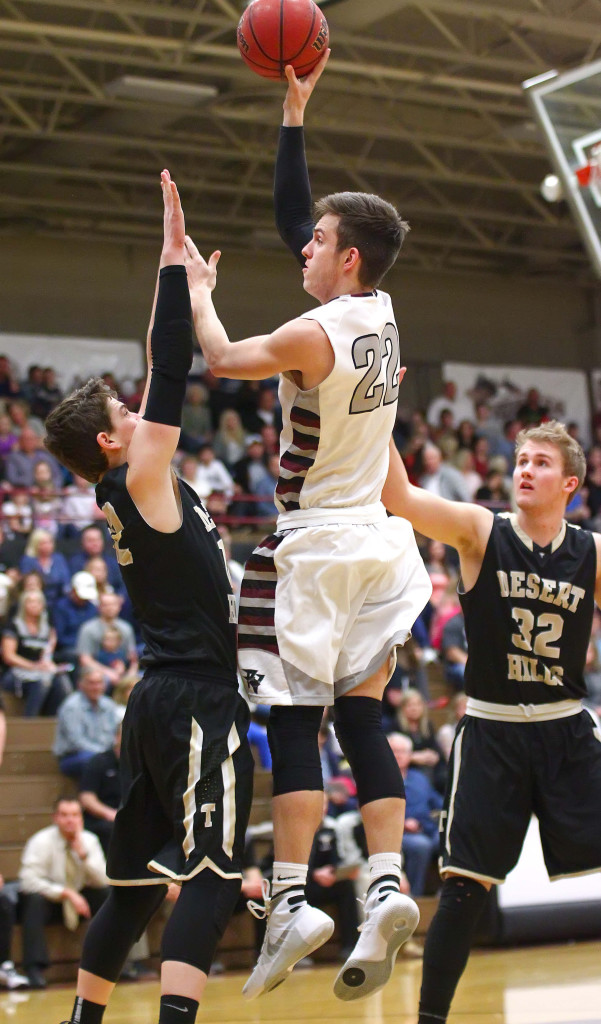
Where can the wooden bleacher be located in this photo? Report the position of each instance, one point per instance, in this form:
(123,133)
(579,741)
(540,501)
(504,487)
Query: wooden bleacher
(29,784)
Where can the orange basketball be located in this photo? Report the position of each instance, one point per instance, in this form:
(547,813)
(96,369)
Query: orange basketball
(273,33)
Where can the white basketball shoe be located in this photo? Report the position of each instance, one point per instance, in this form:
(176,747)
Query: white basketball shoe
(390,920)
(291,934)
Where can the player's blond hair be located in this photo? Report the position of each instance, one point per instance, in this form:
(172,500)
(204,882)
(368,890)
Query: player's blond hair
(555,433)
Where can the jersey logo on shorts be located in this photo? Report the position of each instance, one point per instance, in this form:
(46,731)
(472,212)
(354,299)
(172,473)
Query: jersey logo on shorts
(207,810)
(252,678)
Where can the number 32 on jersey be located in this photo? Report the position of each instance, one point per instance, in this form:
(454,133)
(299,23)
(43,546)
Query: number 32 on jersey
(369,353)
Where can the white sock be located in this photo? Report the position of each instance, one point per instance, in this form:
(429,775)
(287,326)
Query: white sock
(384,864)
(288,876)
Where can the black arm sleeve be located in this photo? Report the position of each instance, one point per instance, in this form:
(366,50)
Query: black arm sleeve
(292,192)
(171,346)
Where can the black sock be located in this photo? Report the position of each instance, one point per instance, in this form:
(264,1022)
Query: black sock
(85,1012)
(448,944)
(172,1008)
(385,883)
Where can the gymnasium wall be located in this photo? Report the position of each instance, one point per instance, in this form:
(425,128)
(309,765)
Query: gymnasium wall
(64,287)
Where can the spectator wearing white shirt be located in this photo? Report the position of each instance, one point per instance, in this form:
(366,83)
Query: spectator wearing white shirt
(18,514)
(461,408)
(79,507)
(211,475)
(63,878)
(235,569)
(440,478)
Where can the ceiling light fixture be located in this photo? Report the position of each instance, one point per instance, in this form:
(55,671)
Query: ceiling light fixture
(160,90)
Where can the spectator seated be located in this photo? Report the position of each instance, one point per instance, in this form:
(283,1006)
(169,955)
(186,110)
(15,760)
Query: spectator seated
(86,724)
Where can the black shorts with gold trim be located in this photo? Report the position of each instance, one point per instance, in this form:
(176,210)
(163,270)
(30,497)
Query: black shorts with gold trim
(186,770)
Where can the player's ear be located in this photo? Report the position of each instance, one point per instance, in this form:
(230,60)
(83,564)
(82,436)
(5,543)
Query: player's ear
(570,486)
(352,258)
(106,442)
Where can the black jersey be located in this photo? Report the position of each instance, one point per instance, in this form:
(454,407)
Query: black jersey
(528,617)
(178,582)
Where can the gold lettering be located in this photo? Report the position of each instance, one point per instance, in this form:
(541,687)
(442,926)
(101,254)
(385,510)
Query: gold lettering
(531,670)
(546,593)
(556,673)
(503,583)
(549,679)
(577,594)
(517,584)
(124,555)
(202,513)
(514,667)
(563,595)
(532,586)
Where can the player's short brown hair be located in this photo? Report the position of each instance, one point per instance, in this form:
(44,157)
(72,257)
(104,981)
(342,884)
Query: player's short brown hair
(555,433)
(369,223)
(72,429)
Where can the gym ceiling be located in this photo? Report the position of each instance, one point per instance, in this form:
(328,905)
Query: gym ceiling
(422,103)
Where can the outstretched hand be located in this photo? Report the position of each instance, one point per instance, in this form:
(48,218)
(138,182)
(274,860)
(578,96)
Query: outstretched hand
(299,91)
(174,227)
(201,274)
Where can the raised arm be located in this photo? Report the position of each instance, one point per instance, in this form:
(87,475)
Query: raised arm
(155,439)
(292,189)
(142,408)
(460,524)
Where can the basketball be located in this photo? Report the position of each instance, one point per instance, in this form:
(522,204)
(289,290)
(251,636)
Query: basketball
(273,33)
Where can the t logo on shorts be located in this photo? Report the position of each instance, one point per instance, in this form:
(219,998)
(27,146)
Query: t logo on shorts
(207,810)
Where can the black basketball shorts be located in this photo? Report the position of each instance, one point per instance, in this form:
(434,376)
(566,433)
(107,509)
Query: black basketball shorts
(186,770)
(500,773)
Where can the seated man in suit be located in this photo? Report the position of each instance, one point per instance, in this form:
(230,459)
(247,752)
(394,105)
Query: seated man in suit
(62,879)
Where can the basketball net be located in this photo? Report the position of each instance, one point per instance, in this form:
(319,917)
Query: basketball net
(590,175)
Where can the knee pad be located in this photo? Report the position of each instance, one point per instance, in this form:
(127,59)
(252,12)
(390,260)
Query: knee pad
(199,919)
(358,726)
(292,734)
(119,923)
(464,896)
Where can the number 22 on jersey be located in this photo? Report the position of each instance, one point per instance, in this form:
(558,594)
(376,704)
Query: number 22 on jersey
(369,353)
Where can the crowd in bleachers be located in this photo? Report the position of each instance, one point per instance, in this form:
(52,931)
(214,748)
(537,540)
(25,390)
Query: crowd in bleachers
(70,642)
(53,540)
(62,603)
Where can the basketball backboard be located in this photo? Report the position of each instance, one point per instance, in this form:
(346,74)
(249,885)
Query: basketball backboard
(568,110)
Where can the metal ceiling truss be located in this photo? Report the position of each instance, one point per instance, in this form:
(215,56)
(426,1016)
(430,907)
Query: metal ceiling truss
(421,101)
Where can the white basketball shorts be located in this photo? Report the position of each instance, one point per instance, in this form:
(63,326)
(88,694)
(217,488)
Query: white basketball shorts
(323,607)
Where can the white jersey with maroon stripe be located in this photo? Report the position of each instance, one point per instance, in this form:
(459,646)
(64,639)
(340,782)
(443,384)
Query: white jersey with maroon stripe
(334,440)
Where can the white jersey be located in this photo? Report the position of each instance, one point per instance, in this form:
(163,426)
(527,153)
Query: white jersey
(335,437)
